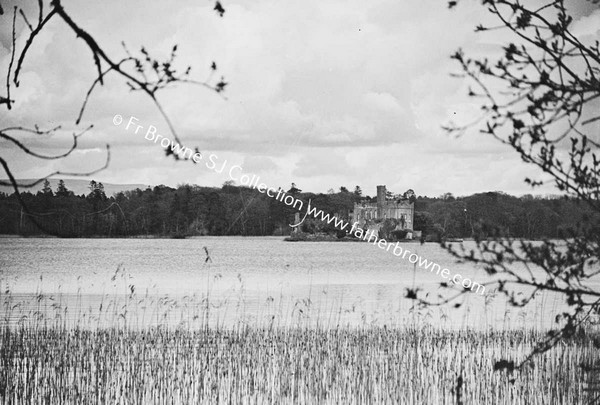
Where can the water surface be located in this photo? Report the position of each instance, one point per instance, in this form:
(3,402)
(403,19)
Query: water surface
(255,279)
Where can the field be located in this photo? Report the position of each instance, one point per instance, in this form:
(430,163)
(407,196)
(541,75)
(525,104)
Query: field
(46,360)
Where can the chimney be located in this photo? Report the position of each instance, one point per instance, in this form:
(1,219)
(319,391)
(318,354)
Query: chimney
(380,201)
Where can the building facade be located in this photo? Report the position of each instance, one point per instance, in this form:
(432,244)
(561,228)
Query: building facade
(372,215)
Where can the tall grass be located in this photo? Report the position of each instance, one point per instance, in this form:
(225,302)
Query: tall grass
(109,356)
(253,365)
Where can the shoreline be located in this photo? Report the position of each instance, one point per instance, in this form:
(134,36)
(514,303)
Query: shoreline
(286,238)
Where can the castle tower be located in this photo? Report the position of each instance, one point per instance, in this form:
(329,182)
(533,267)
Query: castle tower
(380,201)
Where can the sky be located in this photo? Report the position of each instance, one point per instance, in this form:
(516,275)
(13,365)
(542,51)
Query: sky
(320,93)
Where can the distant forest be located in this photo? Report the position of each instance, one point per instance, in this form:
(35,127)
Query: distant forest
(232,210)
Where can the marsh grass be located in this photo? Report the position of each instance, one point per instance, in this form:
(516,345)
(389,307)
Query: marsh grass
(254,365)
(128,350)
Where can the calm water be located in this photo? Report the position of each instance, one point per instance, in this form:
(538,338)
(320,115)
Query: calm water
(251,279)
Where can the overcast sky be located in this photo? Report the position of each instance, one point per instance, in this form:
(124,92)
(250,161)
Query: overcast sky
(321,93)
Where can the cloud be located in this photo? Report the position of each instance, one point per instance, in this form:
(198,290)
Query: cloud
(323,93)
(259,164)
(587,26)
(322,163)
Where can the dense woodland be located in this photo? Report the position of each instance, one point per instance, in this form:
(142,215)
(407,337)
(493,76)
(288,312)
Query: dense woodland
(231,210)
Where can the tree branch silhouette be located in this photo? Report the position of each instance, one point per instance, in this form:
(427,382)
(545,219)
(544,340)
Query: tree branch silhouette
(540,98)
(141,73)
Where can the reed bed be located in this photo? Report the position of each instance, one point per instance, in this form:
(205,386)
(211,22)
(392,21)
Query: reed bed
(129,351)
(53,365)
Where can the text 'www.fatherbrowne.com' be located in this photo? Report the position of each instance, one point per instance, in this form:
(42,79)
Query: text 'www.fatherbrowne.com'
(236,173)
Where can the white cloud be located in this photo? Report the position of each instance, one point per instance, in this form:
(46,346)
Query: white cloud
(322,93)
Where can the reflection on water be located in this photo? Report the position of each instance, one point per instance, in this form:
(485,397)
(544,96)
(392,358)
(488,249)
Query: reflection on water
(262,281)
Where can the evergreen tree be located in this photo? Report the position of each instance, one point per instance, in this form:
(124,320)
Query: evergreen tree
(62,190)
(46,189)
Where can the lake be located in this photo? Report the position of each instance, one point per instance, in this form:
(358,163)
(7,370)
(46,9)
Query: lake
(246,279)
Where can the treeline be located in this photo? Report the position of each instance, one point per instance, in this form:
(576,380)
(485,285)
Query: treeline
(231,210)
(526,217)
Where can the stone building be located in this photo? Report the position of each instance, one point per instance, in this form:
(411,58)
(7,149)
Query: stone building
(372,215)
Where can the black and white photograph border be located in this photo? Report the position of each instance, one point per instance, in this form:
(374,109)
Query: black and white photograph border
(316,202)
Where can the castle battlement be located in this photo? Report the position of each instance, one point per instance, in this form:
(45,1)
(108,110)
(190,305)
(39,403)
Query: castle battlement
(367,213)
